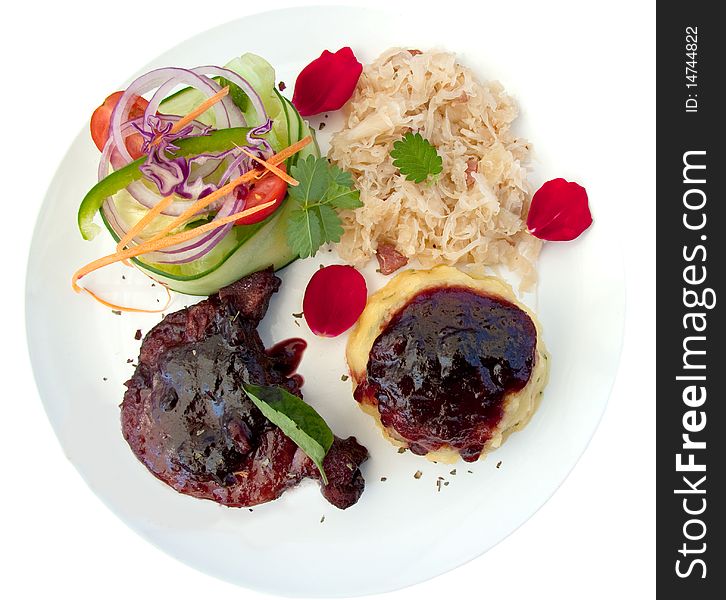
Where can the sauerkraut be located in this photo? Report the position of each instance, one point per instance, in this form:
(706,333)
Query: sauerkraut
(474,211)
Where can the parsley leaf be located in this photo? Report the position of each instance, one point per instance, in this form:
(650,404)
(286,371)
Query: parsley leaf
(297,420)
(416,158)
(303,232)
(314,179)
(340,196)
(323,189)
(330,223)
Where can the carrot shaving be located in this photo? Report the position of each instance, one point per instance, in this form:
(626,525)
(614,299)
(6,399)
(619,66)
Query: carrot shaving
(153,244)
(290,150)
(272,168)
(142,223)
(225,189)
(202,108)
(113,306)
(161,240)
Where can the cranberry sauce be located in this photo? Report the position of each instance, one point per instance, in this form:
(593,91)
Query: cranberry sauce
(441,368)
(287,355)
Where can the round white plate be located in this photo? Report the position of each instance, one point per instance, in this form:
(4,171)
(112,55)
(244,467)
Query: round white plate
(403,530)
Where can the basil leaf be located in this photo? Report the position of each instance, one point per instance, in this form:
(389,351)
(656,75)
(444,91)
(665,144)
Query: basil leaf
(298,420)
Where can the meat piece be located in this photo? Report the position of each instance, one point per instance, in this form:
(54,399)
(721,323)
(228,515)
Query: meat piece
(472,166)
(389,259)
(187,418)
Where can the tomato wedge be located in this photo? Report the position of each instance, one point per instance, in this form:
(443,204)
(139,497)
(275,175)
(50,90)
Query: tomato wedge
(101,119)
(266,189)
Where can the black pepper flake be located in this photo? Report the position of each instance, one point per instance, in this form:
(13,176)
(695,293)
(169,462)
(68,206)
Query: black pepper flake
(137,335)
(322,518)
(123,276)
(105,378)
(417,475)
(249,509)
(116,312)
(153,285)
(297,323)
(438,485)
(499,464)
(129,360)
(298,315)
(401,450)
(281,86)
(452,472)
(446,483)
(344,378)
(326,116)
(384,478)
(469,471)
(321,126)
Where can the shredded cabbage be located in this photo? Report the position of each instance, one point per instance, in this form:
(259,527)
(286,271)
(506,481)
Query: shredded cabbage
(475,211)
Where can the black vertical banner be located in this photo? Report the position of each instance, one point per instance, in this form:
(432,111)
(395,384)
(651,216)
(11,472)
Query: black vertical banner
(691,298)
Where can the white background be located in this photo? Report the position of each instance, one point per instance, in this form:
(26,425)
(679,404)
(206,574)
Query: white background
(595,538)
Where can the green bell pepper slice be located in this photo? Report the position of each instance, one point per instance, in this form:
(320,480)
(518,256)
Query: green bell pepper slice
(217,141)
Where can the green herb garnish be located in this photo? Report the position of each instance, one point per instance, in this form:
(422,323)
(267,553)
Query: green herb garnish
(323,190)
(416,158)
(297,420)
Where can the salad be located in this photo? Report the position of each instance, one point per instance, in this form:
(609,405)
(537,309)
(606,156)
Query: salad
(194,175)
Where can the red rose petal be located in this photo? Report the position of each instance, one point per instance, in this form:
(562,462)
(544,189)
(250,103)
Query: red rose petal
(326,83)
(334,299)
(559,211)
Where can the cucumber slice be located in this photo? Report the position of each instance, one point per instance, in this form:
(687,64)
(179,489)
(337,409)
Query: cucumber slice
(244,250)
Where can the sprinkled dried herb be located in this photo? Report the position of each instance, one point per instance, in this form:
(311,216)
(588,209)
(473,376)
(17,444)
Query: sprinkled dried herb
(344,378)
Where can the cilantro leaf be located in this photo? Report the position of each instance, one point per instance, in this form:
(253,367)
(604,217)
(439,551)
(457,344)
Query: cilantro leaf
(298,420)
(416,158)
(323,189)
(304,232)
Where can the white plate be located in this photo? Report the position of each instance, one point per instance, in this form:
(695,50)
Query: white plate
(402,530)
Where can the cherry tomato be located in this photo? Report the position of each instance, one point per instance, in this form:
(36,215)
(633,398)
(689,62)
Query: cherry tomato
(101,119)
(268,188)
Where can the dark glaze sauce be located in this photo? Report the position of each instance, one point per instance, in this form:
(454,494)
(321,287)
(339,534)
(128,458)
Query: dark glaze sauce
(210,424)
(441,368)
